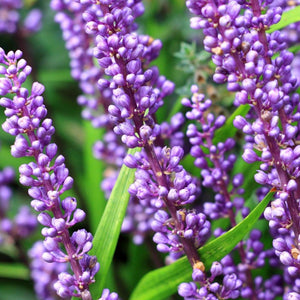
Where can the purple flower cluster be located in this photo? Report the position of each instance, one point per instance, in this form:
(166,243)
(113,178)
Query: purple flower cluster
(210,288)
(137,92)
(178,230)
(140,212)
(84,69)
(46,176)
(123,55)
(291,32)
(193,226)
(10,17)
(236,36)
(215,161)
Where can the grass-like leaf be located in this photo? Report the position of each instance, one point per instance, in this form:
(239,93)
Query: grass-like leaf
(93,176)
(163,282)
(288,17)
(107,234)
(15,271)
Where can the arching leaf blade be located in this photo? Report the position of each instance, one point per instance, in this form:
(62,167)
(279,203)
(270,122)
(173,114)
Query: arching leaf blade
(92,177)
(15,271)
(107,234)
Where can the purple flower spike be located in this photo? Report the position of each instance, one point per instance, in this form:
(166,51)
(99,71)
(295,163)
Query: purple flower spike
(47,178)
(269,86)
(136,92)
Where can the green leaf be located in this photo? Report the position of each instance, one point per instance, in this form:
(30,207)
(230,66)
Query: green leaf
(163,282)
(93,175)
(16,271)
(107,234)
(228,130)
(288,17)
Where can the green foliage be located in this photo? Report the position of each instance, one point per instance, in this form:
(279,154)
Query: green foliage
(16,271)
(16,289)
(92,176)
(107,234)
(190,58)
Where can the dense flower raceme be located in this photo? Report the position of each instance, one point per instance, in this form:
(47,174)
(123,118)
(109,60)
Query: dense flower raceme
(97,99)
(124,55)
(46,176)
(137,94)
(160,181)
(10,18)
(69,14)
(45,275)
(242,50)
(216,163)
(125,47)
(291,32)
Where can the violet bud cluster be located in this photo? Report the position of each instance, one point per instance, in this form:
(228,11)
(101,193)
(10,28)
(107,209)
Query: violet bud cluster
(243,51)
(292,33)
(193,226)
(123,54)
(138,91)
(46,176)
(214,159)
(84,69)
(209,287)
(216,163)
